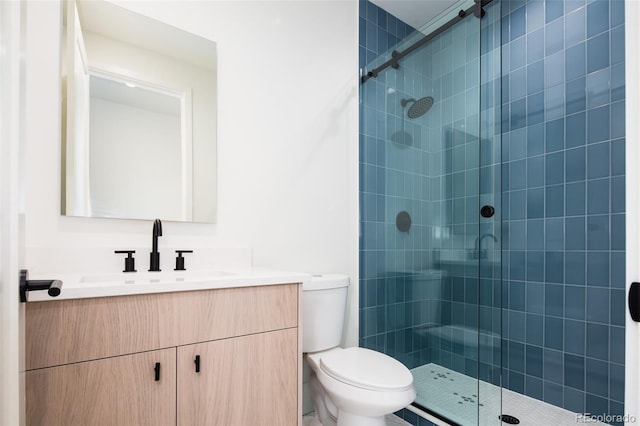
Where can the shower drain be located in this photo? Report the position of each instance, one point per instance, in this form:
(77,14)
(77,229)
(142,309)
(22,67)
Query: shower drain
(511,420)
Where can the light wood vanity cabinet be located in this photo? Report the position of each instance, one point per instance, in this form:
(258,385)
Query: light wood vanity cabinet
(93,361)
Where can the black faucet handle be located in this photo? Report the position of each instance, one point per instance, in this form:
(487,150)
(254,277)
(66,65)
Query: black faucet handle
(129,261)
(180,260)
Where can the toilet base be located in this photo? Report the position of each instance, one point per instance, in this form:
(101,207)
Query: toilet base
(348,419)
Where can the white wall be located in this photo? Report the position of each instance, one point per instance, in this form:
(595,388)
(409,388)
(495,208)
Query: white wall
(287,141)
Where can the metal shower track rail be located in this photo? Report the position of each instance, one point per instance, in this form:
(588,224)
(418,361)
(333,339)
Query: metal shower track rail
(476,9)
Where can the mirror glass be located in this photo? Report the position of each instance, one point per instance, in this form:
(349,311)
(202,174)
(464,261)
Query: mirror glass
(138,117)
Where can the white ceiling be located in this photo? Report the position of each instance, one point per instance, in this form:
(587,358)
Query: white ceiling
(416,13)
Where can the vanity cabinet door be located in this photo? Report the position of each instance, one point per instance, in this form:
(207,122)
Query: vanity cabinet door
(248,380)
(120,391)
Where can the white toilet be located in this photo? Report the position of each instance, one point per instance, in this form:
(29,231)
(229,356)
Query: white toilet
(353,386)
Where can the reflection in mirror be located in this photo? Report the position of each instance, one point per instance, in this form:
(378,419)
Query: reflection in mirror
(139,117)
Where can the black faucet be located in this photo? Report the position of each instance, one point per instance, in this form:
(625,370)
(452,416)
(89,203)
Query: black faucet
(154,262)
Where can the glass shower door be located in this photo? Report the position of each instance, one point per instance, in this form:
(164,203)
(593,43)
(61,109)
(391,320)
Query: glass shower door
(430,203)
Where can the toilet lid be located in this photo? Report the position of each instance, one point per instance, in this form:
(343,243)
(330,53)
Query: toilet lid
(367,369)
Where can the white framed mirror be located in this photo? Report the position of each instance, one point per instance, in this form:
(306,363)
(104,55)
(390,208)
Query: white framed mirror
(139,117)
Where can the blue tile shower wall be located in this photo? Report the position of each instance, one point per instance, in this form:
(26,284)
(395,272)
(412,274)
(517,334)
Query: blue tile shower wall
(563,205)
(563,187)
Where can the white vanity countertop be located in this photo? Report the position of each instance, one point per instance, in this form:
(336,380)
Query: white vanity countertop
(80,286)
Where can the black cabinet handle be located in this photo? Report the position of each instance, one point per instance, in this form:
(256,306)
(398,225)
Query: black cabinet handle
(156,369)
(197,363)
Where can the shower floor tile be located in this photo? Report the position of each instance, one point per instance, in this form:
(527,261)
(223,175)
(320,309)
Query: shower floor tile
(455,396)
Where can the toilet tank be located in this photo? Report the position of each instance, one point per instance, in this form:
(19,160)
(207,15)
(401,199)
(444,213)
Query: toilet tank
(324,300)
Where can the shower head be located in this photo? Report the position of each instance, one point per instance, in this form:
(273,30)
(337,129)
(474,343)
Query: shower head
(419,107)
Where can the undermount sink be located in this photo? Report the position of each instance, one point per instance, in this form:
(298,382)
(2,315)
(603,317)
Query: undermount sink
(154,277)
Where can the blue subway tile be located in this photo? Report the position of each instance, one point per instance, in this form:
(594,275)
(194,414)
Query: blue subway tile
(598,124)
(598,90)
(617,194)
(535,139)
(535,77)
(617,12)
(616,382)
(574,233)
(535,234)
(533,387)
(555,102)
(575,27)
(517,54)
(575,164)
(517,265)
(575,130)
(535,266)
(618,230)
(574,337)
(554,234)
(533,361)
(617,82)
(535,328)
(518,115)
(535,14)
(597,341)
(553,9)
(516,295)
(535,199)
(552,361)
(596,404)
(575,57)
(518,23)
(574,371)
(517,235)
(518,82)
(535,298)
(597,17)
(598,232)
(535,46)
(535,109)
(616,348)
(617,45)
(598,304)
(575,198)
(575,264)
(535,171)
(598,52)
(554,135)
(598,196)
(554,69)
(554,37)
(618,120)
(597,378)
(575,302)
(618,263)
(598,268)
(554,267)
(553,300)
(618,307)
(553,333)
(573,400)
(576,96)
(554,201)
(598,160)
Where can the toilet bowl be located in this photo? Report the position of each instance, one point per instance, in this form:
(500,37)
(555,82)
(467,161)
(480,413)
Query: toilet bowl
(353,386)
